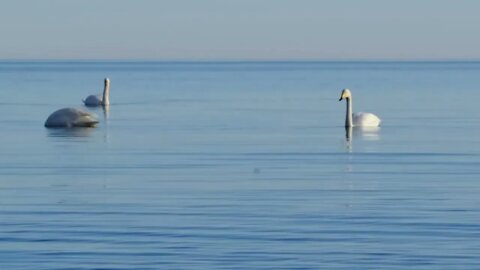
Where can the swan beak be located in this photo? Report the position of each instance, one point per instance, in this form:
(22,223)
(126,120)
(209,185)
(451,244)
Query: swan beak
(341,98)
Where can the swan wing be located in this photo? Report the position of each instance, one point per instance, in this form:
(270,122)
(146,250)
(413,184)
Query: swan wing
(366,120)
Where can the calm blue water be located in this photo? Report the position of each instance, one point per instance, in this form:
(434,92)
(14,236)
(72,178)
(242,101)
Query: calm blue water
(241,166)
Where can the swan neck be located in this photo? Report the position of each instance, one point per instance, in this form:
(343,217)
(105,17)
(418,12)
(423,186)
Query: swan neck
(106,93)
(348,118)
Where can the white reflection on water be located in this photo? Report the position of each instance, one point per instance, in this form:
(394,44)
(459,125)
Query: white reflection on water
(366,133)
(106,111)
(361,133)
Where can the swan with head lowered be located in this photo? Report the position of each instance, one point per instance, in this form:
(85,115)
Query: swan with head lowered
(360,119)
(70,118)
(99,100)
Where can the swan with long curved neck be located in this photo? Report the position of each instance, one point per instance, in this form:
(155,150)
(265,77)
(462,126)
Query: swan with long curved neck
(360,119)
(99,100)
(70,118)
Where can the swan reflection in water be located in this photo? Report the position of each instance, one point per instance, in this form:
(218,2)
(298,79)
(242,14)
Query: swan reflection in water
(361,133)
(75,132)
(106,112)
(105,123)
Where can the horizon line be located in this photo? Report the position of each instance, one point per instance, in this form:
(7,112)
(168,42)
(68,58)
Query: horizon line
(233,60)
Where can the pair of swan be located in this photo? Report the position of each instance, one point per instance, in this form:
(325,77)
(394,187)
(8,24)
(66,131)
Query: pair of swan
(72,117)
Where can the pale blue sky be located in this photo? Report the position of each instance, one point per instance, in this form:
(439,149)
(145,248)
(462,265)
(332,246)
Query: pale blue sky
(239,29)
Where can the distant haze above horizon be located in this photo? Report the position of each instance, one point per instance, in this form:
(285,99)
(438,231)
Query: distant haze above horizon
(240,29)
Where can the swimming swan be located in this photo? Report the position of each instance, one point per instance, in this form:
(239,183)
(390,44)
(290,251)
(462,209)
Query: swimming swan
(71,117)
(99,100)
(360,119)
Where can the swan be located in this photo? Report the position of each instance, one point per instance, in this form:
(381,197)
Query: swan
(71,117)
(360,119)
(99,100)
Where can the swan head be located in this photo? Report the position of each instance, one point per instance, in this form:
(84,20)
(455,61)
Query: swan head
(346,94)
(107,81)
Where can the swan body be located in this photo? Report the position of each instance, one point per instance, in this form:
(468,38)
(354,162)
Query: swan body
(363,119)
(360,119)
(93,101)
(69,118)
(99,100)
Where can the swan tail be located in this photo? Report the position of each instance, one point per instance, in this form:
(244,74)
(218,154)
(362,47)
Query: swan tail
(86,120)
(86,124)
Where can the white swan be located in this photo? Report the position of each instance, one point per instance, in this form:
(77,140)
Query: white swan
(71,117)
(99,100)
(360,119)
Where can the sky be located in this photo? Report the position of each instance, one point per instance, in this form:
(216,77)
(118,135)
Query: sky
(240,29)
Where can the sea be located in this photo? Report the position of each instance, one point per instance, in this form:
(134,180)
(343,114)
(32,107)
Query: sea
(241,165)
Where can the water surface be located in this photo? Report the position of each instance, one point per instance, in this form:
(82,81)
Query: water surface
(241,165)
